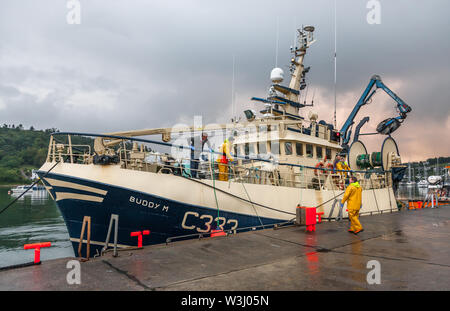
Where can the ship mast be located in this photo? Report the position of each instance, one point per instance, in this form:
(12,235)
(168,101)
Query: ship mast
(298,71)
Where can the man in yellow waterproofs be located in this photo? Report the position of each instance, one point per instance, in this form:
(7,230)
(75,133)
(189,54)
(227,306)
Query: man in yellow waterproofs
(352,196)
(225,158)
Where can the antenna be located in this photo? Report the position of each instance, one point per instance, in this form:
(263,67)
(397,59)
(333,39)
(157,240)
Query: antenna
(276,48)
(335,60)
(306,95)
(233,108)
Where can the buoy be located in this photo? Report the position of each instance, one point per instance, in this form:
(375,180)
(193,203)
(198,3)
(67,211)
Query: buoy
(318,165)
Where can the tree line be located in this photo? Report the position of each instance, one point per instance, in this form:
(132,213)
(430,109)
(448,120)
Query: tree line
(22,150)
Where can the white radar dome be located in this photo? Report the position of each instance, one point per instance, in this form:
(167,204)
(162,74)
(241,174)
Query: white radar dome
(277,75)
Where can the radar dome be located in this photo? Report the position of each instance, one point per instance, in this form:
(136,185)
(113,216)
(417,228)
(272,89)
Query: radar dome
(277,75)
(313,116)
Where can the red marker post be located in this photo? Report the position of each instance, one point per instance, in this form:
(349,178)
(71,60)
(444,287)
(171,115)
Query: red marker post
(37,250)
(311,218)
(139,234)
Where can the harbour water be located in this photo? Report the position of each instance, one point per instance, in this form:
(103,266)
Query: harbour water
(411,192)
(33,218)
(36,218)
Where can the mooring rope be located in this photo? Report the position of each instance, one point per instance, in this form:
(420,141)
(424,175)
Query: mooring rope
(235,196)
(31,187)
(330,199)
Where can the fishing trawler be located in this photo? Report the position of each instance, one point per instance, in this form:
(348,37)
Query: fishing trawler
(281,160)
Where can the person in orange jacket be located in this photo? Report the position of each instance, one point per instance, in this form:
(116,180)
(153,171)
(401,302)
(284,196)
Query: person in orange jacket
(226,157)
(353,197)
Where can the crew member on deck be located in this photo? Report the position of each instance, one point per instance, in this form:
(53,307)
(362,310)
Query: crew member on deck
(341,164)
(353,197)
(197,146)
(225,158)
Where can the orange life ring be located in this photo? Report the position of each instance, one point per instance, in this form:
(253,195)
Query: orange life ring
(330,167)
(318,165)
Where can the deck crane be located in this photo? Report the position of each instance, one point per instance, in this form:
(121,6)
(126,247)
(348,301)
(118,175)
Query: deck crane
(385,127)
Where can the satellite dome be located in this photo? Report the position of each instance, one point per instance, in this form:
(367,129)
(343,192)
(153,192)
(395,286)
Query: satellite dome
(313,116)
(277,75)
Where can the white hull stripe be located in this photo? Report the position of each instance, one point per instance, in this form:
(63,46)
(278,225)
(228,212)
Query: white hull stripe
(66,184)
(77,196)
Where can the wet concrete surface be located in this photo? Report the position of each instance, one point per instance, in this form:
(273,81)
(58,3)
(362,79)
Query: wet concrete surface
(412,248)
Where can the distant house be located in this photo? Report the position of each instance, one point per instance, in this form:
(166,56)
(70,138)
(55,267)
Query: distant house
(34,176)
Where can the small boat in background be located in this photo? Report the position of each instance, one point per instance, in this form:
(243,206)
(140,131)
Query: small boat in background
(22,188)
(422,184)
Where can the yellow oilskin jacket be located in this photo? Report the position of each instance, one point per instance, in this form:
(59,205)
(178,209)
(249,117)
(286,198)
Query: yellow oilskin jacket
(353,195)
(225,151)
(342,166)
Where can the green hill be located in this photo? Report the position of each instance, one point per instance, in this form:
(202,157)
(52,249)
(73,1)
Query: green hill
(22,150)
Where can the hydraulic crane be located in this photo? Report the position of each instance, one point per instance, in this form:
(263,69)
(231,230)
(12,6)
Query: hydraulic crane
(385,127)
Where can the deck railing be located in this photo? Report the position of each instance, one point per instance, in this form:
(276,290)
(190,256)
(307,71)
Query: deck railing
(251,171)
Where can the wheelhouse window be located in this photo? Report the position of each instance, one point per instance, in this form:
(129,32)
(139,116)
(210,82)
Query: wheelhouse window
(309,150)
(262,147)
(319,152)
(275,147)
(287,148)
(272,127)
(328,153)
(249,150)
(299,149)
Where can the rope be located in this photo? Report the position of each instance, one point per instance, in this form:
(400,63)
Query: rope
(31,187)
(330,199)
(235,196)
(373,191)
(214,188)
(248,196)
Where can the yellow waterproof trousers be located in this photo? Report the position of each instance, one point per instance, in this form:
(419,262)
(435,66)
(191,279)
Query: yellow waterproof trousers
(223,172)
(355,225)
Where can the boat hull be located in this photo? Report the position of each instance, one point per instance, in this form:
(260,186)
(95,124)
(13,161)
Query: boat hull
(172,206)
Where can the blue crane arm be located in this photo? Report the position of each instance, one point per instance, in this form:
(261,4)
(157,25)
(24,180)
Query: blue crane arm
(401,105)
(375,81)
(344,132)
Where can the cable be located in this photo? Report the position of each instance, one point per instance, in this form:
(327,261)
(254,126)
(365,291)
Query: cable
(330,199)
(235,196)
(248,196)
(214,188)
(31,187)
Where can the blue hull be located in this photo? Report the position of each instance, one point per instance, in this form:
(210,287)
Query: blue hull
(137,211)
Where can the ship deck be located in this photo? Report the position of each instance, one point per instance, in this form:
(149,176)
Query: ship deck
(411,247)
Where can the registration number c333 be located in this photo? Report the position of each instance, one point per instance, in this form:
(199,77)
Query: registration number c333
(202,223)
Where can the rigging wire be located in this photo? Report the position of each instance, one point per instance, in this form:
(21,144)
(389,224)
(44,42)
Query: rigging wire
(31,187)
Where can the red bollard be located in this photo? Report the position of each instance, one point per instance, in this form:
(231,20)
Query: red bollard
(319,216)
(310,219)
(139,235)
(37,250)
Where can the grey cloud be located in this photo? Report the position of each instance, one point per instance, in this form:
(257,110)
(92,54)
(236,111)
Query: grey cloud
(157,62)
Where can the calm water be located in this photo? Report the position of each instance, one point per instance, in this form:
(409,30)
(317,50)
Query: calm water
(414,192)
(33,218)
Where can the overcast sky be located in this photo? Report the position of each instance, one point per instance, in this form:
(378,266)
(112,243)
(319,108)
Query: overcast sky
(135,64)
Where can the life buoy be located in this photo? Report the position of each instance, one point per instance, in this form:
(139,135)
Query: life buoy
(317,171)
(330,167)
